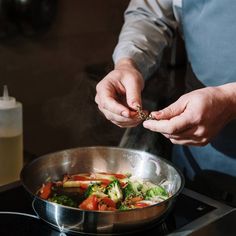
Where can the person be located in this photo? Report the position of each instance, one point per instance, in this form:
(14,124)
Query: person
(201,123)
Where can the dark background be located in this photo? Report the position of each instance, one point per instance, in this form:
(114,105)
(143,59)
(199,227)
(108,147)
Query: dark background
(53,70)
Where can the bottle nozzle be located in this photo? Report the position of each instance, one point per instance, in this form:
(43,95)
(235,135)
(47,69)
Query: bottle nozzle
(6,101)
(5,96)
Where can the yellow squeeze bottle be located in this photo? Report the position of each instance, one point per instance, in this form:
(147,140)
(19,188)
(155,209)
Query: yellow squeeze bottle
(11,138)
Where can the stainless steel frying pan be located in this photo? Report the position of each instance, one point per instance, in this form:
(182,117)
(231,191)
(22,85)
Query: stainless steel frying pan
(100,159)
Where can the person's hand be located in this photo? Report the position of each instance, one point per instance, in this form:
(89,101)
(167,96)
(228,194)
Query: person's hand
(194,118)
(119,94)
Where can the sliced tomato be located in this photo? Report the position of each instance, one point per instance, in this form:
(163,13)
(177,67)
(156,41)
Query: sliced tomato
(105,181)
(90,203)
(79,177)
(141,204)
(46,190)
(120,176)
(84,185)
(106,204)
(102,207)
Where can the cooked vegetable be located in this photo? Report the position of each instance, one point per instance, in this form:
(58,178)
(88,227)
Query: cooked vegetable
(146,185)
(124,207)
(80,183)
(106,204)
(114,191)
(103,191)
(45,190)
(131,202)
(79,177)
(109,177)
(133,189)
(95,189)
(90,203)
(143,203)
(155,192)
(63,200)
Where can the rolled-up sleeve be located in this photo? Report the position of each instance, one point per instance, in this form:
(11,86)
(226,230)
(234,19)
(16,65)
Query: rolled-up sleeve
(149,27)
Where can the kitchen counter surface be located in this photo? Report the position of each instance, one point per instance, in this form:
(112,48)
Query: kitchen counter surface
(224,226)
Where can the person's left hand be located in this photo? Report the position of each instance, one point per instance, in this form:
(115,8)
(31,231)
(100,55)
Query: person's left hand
(194,118)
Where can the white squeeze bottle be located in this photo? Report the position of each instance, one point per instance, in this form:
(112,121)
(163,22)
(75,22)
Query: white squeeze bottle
(11,140)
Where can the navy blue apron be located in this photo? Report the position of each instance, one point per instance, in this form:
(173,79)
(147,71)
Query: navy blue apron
(210,37)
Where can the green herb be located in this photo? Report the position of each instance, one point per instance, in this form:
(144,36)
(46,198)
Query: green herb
(63,200)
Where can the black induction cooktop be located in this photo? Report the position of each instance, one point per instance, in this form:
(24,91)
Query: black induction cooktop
(17,217)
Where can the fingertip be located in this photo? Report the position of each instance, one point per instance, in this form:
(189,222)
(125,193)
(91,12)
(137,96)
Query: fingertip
(133,106)
(146,123)
(125,114)
(157,114)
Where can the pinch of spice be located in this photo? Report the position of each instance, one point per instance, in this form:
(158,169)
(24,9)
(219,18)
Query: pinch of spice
(143,115)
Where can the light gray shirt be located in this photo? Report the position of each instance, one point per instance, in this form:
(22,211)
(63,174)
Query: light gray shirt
(149,27)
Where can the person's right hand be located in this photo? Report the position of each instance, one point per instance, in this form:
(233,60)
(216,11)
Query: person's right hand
(119,94)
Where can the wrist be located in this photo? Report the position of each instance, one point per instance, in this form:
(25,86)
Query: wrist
(229,92)
(126,63)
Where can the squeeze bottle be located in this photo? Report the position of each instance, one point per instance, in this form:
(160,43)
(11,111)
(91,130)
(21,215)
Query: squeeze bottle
(11,138)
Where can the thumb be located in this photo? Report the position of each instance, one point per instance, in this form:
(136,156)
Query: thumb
(171,111)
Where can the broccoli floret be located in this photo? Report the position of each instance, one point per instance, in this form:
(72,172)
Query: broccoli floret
(156,191)
(95,189)
(146,186)
(132,189)
(63,200)
(124,207)
(114,191)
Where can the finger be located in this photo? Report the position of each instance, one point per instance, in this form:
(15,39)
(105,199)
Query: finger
(133,94)
(171,111)
(111,98)
(197,133)
(125,125)
(190,133)
(173,126)
(190,142)
(120,120)
(169,136)
(191,136)
(110,104)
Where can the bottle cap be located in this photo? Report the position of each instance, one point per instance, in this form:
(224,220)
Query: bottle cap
(6,101)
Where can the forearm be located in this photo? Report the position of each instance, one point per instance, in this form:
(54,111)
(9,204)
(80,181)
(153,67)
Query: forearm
(148,29)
